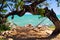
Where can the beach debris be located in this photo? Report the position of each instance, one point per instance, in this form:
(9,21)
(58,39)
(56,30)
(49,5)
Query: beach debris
(10,39)
(28,31)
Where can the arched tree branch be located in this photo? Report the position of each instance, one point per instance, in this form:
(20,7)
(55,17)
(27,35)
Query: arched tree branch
(52,16)
(19,13)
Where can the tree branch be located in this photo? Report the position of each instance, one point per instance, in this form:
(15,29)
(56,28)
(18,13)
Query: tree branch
(52,16)
(10,13)
(9,7)
(26,8)
(2,4)
(19,13)
(1,15)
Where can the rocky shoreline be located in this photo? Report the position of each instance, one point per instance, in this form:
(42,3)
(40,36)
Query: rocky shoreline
(26,32)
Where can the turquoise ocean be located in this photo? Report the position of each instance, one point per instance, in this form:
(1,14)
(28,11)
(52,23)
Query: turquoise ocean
(31,19)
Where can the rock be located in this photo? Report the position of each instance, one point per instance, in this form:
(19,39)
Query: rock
(31,31)
(39,26)
(24,29)
(23,33)
(9,33)
(27,32)
(36,29)
(43,34)
(42,28)
(13,33)
(10,39)
(5,33)
(29,26)
(1,36)
(11,24)
(49,31)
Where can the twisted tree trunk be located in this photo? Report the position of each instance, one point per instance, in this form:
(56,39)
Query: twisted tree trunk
(52,16)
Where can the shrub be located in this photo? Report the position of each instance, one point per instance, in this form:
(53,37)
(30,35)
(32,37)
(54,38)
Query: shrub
(3,27)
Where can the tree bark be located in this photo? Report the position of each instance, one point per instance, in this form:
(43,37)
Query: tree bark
(52,16)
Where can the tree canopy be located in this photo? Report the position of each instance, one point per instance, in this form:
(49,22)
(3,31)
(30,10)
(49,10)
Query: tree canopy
(18,4)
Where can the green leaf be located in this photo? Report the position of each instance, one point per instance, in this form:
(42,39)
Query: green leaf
(41,11)
(11,4)
(19,0)
(5,6)
(0,2)
(16,6)
(5,2)
(19,4)
(3,11)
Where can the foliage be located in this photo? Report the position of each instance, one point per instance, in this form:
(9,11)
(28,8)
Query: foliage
(2,39)
(19,4)
(58,4)
(41,11)
(3,27)
(52,27)
(3,11)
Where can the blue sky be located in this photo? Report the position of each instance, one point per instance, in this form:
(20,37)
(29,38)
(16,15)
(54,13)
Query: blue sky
(53,4)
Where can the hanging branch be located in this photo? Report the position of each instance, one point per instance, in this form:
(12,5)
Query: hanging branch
(9,7)
(2,4)
(1,7)
(19,13)
(1,15)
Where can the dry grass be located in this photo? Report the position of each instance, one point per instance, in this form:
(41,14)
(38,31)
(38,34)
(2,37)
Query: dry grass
(52,27)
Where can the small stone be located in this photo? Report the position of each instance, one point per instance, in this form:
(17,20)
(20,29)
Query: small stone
(10,39)
(1,36)
(39,26)
(48,31)
(36,29)
(28,26)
